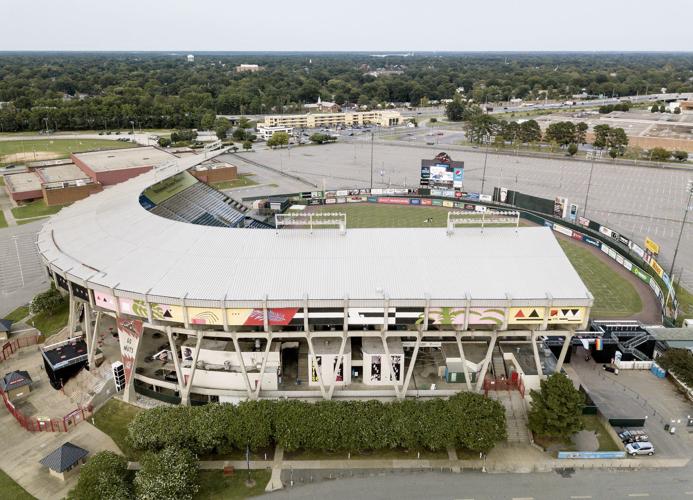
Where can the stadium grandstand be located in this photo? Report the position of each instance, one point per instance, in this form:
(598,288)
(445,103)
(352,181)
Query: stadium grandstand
(351,313)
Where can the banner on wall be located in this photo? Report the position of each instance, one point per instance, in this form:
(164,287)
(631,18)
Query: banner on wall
(560,207)
(129,334)
(651,246)
(583,221)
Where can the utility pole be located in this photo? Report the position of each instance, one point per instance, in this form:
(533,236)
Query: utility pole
(589,184)
(372,141)
(689,188)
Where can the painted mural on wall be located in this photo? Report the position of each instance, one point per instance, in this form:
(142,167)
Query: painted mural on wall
(526,315)
(566,314)
(455,316)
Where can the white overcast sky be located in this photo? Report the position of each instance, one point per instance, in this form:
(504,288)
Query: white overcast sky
(346,25)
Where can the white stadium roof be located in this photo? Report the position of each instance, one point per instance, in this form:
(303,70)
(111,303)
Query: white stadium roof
(109,241)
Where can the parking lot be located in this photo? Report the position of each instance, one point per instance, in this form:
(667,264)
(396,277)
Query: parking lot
(639,394)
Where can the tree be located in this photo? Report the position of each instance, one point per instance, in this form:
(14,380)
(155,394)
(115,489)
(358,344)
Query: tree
(556,409)
(433,120)
(613,153)
(617,139)
(278,139)
(164,142)
(207,121)
(601,135)
(572,149)
(244,123)
(47,302)
(221,127)
(660,154)
(581,133)
(679,362)
(170,473)
(247,145)
(454,110)
(104,476)
(240,134)
(654,108)
(480,126)
(662,108)
(562,133)
(530,131)
(677,110)
(680,155)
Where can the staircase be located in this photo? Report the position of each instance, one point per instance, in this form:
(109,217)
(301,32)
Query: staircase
(497,363)
(515,415)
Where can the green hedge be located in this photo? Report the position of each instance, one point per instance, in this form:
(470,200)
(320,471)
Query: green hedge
(466,420)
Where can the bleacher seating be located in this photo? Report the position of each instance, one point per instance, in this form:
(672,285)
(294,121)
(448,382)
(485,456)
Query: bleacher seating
(202,204)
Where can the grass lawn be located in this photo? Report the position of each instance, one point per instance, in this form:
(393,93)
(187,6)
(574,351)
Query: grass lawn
(113,419)
(18,314)
(685,303)
(21,222)
(3,221)
(592,423)
(242,181)
(215,486)
(43,149)
(48,324)
(36,208)
(10,489)
(614,296)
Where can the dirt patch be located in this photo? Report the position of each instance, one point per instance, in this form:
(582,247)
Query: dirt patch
(30,156)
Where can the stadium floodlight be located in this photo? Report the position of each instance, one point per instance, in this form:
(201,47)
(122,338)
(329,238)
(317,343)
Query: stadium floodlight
(487,217)
(689,190)
(312,219)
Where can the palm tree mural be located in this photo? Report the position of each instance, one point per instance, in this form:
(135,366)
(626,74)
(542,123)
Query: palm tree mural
(443,316)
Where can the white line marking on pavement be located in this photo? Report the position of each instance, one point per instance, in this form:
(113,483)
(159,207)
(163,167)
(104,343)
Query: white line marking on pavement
(688,493)
(582,496)
(523,498)
(638,494)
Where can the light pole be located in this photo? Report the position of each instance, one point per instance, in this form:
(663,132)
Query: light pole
(689,188)
(589,184)
(133,130)
(487,138)
(372,139)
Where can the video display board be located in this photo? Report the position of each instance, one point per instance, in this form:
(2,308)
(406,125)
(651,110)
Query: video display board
(442,173)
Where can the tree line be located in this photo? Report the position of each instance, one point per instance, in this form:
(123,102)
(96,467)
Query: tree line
(467,420)
(109,91)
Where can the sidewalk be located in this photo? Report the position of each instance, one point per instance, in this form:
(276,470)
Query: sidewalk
(503,458)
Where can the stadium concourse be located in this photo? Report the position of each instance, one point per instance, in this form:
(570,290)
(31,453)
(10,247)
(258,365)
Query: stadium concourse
(212,304)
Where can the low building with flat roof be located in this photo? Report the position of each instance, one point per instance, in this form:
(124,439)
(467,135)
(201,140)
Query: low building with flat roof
(25,186)
(66,172)
(385,118)
(118,165)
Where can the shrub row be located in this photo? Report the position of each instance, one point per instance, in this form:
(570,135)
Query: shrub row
(466,420)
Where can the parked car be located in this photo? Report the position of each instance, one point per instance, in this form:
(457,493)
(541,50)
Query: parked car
(644,448)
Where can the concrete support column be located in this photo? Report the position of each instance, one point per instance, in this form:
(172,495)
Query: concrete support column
(465,368)
(237,348)
(535,350)
(487,360)
(412,362)
(185,390)
(564,350)
(318,369)
(263,365)
(340,358)
(176,361)
(94,335)
(88,335)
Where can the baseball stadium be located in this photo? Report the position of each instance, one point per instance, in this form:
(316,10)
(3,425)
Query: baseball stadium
(214,302)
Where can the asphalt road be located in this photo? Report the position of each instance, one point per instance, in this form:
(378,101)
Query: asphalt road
(664,484)
(635,201)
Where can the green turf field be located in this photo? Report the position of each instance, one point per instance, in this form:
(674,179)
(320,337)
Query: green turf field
(21,151)
(614,296)
(368,215)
